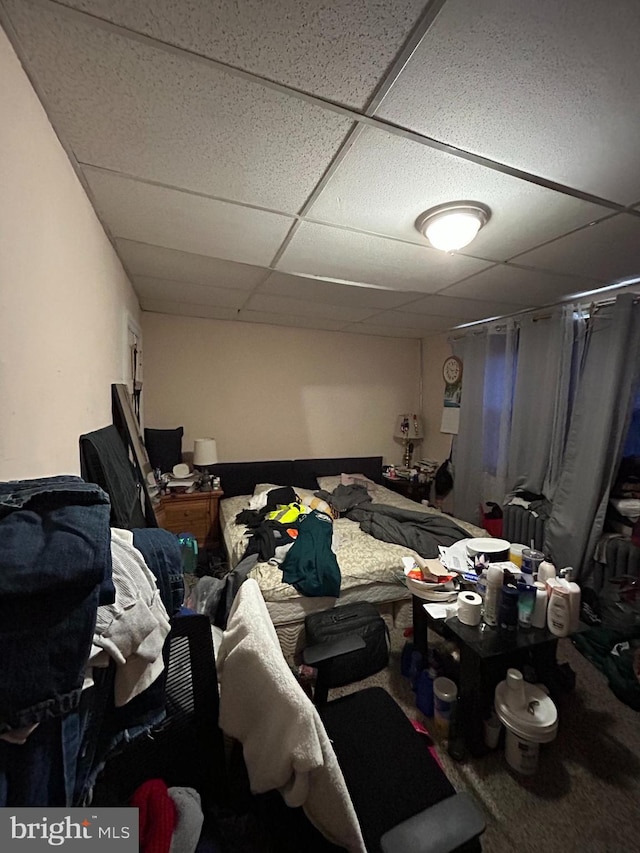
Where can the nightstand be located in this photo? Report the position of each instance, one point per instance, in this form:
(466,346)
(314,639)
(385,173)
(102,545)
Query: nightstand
(192,512)
(409,488)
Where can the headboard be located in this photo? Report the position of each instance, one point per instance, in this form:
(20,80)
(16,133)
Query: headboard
(240,478)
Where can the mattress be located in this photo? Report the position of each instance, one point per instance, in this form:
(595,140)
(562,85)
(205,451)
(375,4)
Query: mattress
(371,570)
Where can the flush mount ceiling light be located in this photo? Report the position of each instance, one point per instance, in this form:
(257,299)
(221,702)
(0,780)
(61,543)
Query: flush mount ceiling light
(453,225)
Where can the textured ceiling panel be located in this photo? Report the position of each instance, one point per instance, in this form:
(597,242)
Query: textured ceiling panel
(530,84)
(298,320)
(607,251)
(304,308)
(150,214)
(298,287)
(386,181)
(518,287)
(383,331)
(404,319)
(350,256)
(184,309)
(128,107)
(469,309)
(142,259)
(200,172)
(338,49)
(194,294)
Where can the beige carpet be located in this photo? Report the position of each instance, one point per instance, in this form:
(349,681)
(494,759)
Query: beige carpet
(585,796)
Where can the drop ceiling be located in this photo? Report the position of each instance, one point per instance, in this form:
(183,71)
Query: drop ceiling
(265,160)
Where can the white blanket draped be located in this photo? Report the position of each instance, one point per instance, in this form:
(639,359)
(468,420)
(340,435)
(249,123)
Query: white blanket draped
(285,744)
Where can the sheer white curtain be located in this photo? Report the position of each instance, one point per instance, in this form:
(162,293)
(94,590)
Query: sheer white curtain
(480,451)
(548,349)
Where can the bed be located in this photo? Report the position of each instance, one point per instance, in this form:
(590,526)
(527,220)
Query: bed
(370,568)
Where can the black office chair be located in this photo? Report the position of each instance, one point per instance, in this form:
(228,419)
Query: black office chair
(403,801)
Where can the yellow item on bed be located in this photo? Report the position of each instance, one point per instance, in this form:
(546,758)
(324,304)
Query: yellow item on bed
(287,513)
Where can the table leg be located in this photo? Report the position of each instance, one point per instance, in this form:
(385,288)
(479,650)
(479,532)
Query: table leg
(420,622)
(470,697)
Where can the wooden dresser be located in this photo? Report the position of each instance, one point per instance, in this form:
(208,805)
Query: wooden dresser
(193,512)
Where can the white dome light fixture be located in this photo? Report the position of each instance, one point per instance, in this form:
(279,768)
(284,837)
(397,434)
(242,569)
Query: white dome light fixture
(453,225)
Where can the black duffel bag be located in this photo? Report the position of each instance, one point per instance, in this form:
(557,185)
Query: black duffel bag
(361,619)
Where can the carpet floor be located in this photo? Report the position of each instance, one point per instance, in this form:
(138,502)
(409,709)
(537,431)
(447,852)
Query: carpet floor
(585,795)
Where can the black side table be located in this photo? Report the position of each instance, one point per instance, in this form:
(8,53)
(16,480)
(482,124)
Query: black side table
(485,655)
(411,489)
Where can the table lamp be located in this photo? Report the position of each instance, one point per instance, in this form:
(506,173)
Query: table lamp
(408,430)
(205,455)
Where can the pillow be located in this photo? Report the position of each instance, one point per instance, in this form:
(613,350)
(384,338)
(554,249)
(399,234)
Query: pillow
(164,447)
(356,479)
(264,487)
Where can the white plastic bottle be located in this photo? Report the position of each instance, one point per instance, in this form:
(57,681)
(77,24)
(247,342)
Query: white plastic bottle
(559,611)
(495,576)
(574,605)
(546,570)
(539,618)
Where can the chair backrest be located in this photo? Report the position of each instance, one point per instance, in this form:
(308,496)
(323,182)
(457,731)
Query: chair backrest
(284,742)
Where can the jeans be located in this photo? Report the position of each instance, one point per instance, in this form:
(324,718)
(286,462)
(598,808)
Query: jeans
(55,555)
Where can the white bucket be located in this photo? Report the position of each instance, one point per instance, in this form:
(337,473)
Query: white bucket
(521,754)
(445,694)
(529,717)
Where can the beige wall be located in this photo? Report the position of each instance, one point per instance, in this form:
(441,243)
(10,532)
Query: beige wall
(270,392)
(63,294)
(436,444)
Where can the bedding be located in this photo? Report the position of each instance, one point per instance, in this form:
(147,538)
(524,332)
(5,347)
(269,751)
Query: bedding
(370,568)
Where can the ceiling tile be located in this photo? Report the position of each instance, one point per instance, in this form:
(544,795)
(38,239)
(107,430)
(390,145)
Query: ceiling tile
(338,49)
(183,309)
(382,331)
(125,106)
(193,294)
(607,251)
(158,262)
(520,287)
(177,220)
(352,256)
(424,322)
(547,87)
(468,309)
(303,308)
(295,320)
(315,290)
(386,181)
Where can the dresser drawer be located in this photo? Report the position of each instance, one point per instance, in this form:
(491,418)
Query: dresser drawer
(195,513)
(180,512)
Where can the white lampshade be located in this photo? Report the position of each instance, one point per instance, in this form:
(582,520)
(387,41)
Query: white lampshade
(205,452)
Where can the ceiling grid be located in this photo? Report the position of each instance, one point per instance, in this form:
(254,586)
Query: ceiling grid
(271,170)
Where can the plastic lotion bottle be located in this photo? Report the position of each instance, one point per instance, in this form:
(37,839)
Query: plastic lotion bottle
(495,577)
(539,618)
(559,610)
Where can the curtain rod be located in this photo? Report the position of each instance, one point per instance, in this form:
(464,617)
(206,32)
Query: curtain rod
(593,307)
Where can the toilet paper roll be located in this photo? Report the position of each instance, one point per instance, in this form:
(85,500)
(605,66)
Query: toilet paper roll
(469,608)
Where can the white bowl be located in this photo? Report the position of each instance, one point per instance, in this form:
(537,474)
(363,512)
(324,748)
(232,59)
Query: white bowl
(495,550)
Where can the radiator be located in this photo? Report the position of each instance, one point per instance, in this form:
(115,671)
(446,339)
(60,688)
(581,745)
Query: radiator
(523,526)
(615,556)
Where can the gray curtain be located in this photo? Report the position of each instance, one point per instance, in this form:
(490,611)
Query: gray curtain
(480,449)
(599,423)
(542,399)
